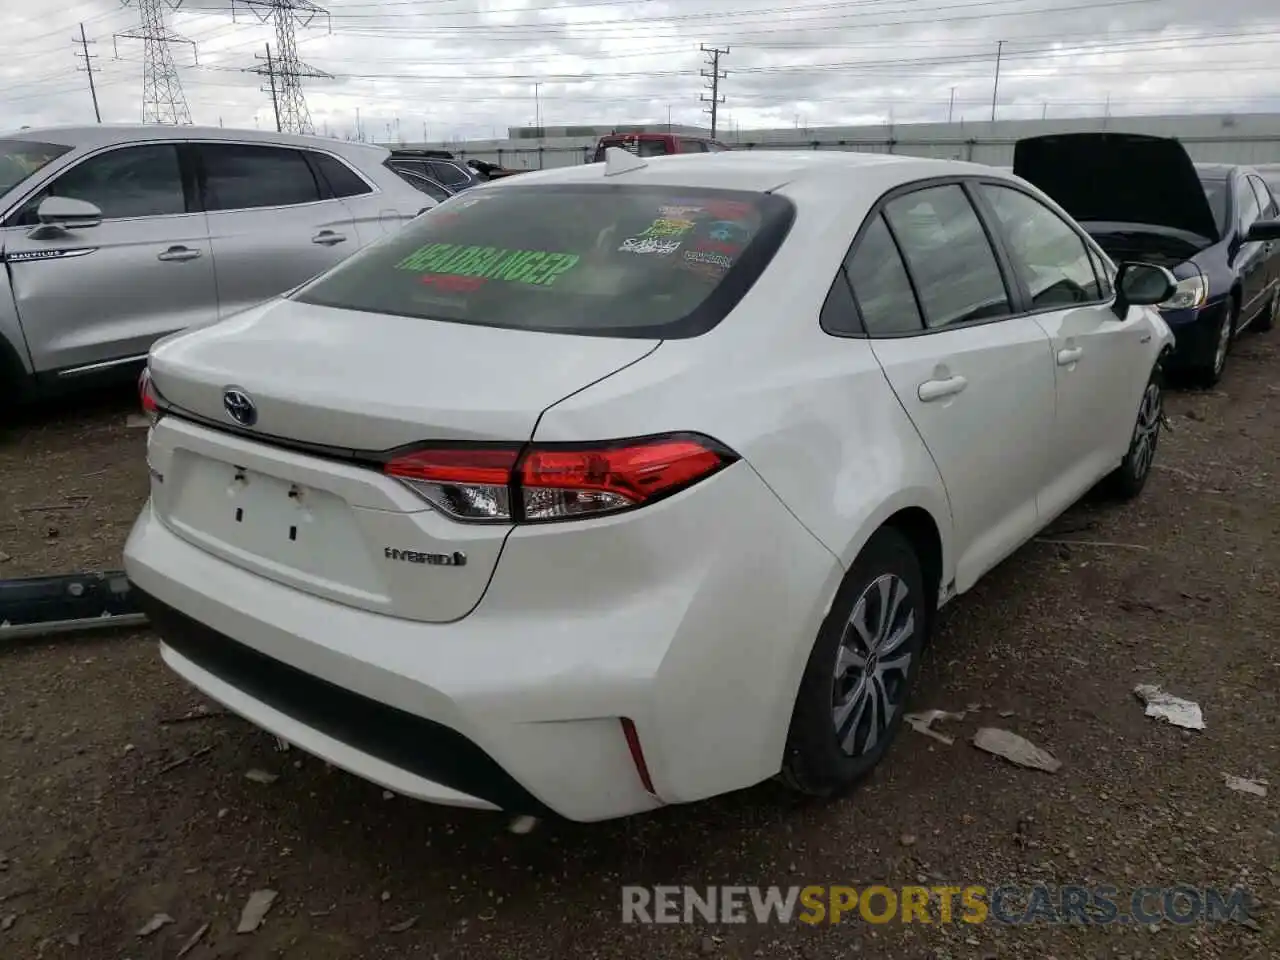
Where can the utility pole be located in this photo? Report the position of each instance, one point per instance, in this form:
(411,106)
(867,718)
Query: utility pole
(537,109)
(715,76)
(270,72)
(83,44)
(287,16)
(995,90)
(162,98)
(951,107)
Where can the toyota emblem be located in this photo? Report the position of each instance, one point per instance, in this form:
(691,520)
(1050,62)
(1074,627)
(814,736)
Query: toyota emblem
(239,407)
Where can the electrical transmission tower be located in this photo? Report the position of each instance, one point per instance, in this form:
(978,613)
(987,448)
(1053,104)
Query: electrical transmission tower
(162,98)
(284,70)
(715,76)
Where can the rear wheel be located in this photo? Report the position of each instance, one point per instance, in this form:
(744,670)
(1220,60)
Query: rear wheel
(855,686)
(1128,479)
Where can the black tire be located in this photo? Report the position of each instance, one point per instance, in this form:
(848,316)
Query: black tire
(1128,479)
(1210,368)
(815,762)
(1267,319)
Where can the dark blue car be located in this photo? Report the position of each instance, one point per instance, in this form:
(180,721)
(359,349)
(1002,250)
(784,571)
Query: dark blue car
(1216,226)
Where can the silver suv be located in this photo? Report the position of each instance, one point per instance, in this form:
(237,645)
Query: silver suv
(114,236)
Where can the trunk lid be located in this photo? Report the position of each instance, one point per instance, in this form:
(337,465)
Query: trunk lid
(371,382)
(1118,178)
(351,382)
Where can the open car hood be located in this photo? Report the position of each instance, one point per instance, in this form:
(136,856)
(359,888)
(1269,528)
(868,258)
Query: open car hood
(1118,178)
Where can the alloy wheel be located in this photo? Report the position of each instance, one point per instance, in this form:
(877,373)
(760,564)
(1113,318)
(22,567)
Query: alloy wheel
(1147,431)
(873,663)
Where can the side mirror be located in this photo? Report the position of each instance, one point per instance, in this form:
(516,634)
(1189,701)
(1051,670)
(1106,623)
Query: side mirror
(1263,231)
(68,214)
(1143,285)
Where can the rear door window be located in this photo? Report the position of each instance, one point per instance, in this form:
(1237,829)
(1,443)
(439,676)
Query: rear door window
(242,176)
(950,258)
(632,261)
(881,285)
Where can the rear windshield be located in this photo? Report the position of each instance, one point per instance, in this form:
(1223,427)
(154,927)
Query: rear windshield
(19,159)
(651,147)
(1215,192)
(592,259)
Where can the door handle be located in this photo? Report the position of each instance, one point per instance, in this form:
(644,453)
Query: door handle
(932,390)
(1069,356)
(329,238)
(178,253)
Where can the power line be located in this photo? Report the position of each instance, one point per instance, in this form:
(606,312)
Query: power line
(83,43)
(269,71)
(715,76)
(162,98)
(287,71)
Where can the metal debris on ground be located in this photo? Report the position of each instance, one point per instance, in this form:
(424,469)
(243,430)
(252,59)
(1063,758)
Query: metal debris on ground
(193,940)
(1170,709)
(155,923)
(923,723)
(136,421)
(523,824)
(38,606)
(1256,788)
(255,910)
(1015,749)
(261,776)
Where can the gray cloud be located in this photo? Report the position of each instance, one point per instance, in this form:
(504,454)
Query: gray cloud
(470,68)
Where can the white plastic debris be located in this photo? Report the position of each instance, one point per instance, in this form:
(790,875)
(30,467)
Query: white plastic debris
(923,723)
(255,909)
(1256,788)
(155,923)
(523,824)
(261,776)
(1170,709)
(1015,749)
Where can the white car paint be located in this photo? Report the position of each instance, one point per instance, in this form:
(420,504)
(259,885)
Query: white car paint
(694,616)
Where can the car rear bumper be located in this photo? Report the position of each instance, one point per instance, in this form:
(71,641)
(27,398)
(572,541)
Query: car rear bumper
(519,705)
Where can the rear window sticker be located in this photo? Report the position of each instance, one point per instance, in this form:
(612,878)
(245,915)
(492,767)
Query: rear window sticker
(715,246)
(678,212)
(652,245)
(453,282)
(708,258)
(727,231)
(668,227)
(728,210)
(535,267)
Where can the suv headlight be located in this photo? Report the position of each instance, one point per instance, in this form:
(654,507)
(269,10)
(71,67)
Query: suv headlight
(1188,294)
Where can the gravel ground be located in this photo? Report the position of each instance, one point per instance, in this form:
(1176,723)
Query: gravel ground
(111,813)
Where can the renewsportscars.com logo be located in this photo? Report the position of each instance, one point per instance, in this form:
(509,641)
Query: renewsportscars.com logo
(972,904)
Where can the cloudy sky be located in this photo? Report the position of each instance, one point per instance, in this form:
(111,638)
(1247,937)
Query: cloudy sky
(453,69)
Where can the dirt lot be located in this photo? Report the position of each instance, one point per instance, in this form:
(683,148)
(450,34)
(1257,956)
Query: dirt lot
(110,813)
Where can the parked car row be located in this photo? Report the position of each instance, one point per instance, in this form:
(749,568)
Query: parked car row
(511,534)
(113,236)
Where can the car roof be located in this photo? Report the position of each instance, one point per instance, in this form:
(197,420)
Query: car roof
(113,134)
(764,170)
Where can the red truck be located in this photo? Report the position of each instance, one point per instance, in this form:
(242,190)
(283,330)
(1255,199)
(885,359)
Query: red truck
(657,144)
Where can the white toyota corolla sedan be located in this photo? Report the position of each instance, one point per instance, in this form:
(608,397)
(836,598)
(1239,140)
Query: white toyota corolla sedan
(637,482)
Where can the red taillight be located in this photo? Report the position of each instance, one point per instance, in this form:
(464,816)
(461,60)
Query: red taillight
(147,395)
(556,482)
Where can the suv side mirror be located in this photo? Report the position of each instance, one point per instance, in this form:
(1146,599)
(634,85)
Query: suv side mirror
(1142,285)
(1263,231)
(66,213)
